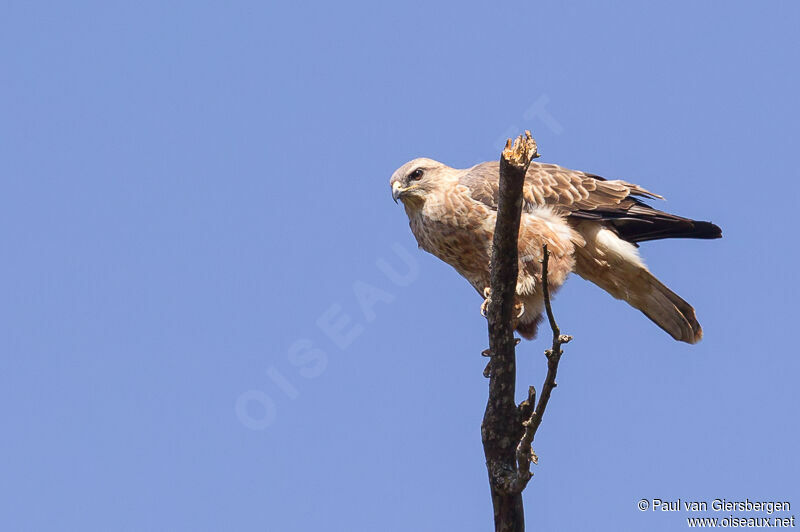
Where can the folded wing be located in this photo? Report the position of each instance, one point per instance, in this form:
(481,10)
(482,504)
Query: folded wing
(582,196)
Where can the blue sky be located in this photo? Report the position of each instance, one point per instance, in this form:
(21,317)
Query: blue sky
(215,318)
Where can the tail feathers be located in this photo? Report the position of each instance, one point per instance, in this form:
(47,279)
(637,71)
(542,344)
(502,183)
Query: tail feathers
(666,309)
(614,265)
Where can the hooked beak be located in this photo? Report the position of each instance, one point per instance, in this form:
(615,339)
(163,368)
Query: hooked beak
(396,191)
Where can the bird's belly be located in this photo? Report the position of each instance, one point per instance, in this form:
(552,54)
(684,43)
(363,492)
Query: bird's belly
(467,248)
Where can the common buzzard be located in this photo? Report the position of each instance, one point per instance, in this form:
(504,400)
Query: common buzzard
(591,226)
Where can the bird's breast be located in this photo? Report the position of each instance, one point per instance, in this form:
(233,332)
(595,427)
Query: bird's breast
(463,244)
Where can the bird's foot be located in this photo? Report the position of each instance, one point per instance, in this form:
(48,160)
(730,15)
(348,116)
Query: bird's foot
(487,298)
(519,306)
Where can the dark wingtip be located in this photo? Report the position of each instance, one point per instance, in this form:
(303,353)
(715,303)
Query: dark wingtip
(706,230)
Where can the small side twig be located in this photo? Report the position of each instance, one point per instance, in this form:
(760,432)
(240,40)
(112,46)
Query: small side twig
(525,454)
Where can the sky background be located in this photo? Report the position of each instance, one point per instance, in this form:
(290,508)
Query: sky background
(215,318)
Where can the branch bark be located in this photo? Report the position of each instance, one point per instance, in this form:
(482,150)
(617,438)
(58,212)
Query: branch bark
(508,430)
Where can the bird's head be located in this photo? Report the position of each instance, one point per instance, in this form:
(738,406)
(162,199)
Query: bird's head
(413,181)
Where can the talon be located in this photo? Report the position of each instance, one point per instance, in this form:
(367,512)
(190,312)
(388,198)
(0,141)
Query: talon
(521,309)
(485,307)
(487,297)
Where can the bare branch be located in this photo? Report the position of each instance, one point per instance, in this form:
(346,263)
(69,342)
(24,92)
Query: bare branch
(508,430)
(501,427)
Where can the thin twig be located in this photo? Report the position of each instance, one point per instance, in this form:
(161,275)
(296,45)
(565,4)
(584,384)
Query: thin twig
(525,454)
(553,357)
(546,293)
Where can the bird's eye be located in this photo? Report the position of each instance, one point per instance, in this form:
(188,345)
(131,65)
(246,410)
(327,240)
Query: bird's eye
(416,175)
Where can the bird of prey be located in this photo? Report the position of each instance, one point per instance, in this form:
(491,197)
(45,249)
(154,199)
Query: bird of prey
(591,226)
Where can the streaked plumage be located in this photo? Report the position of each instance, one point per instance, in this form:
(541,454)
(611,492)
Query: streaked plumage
(591,226)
